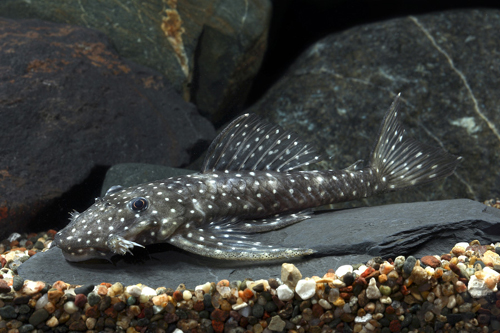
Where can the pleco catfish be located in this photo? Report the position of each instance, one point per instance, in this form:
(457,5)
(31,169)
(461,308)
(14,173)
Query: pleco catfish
(249,183)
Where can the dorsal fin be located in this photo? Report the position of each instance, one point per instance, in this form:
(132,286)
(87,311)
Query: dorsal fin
(250,143)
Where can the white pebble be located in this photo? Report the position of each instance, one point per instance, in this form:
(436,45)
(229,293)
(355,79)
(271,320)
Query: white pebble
(385,300)
(146,294)
(372,291)
(462,244)
(205,287)
(306,288)
(284,292)
(42,301)
(477,288)
(361,270)
(342,270)
(240,306)
(324,304)
(361,320)
(134,291)
(186,294)
(70,307)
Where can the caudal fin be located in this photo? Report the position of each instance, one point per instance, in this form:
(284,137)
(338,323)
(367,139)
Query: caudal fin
(401,161)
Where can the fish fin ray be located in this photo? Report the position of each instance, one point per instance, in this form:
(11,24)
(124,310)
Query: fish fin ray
(358,165)
(266,224)
(230,246)
(250,143)
(404,161)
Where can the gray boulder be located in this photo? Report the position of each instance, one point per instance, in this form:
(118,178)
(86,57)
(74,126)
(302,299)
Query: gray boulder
(446,67)
(70,107)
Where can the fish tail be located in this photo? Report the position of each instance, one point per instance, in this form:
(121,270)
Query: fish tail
(401,161)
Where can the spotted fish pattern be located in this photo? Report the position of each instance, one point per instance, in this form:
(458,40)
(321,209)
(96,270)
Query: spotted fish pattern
(249,184)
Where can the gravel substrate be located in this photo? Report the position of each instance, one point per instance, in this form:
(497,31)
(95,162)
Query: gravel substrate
(452,292)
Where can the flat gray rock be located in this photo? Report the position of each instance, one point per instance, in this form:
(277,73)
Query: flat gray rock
(342,237)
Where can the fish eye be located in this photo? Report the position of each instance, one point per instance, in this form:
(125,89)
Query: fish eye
(138,204)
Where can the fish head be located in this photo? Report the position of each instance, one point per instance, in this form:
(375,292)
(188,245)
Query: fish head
(121,220)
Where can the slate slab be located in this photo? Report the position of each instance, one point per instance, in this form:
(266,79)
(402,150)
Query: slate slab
(209,50)
(70,107)
(446,66)
(342,237)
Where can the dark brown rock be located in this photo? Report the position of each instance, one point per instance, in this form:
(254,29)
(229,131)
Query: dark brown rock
(209,50)
(75,107)
(431,261)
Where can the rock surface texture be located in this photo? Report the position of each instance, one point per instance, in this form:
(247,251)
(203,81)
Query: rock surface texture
(341,237)
(446,67)
(70,105)
(208,50)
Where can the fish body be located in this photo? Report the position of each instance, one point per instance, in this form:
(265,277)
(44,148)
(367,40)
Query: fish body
(249,184)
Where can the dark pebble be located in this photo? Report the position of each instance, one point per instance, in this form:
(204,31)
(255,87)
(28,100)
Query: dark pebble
(38,316)
(438,325)
(407,320)
(468,316)
(495,325)
(119,306)
(105,303)
(466,297)
(384,322)
(86,289)
(259,287)
(131,300)
(497,249)
(38,245)
(334,322)
(22,299)
(8,312)
(26,328)
(4,287)
(207,302)
(252,320)
(181,314)
(270,307)
(143,322)
(348,279)
(93,299)
(385,330)
(305,305)
(24,309)
(258,311)
(408,265)
(453,318)
(204,314)
(273,283)
(99,326)
(17,283)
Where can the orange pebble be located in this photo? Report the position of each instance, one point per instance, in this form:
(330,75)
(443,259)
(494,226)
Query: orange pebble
(247,293)
(60,285)
(223,283)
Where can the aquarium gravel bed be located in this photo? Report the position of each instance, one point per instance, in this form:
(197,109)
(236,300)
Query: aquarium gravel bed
(451,292)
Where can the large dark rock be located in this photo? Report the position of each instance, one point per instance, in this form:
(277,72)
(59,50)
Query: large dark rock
(341,237)
(69,108)
(446,66)
(209,50)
